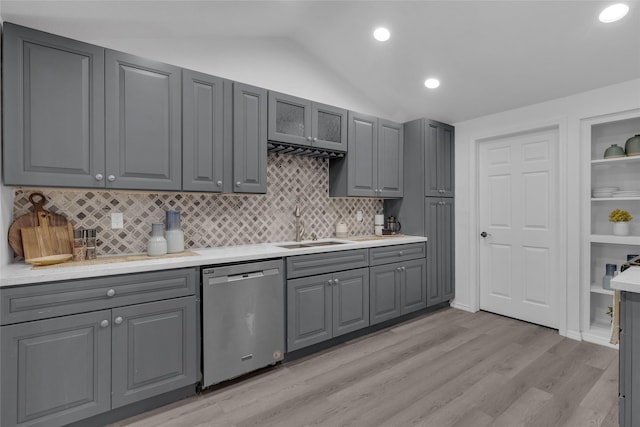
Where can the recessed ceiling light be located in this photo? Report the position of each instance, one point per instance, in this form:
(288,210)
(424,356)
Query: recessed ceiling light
(381,34)
(432,83)
(613,13)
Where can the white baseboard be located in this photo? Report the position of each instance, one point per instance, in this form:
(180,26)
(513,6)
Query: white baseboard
(574,335)
(463,307)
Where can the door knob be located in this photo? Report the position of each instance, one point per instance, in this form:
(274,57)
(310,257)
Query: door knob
(118,320)
(99,177)
(484,234)
(111,178)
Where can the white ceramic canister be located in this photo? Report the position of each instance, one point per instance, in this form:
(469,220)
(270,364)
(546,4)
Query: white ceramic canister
(341,230)
(173,234)
(157,244)
(378,224)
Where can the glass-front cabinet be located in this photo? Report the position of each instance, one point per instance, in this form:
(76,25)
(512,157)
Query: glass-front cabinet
(298,121)
(610,183)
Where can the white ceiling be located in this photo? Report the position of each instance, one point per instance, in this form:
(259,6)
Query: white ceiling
(490,56)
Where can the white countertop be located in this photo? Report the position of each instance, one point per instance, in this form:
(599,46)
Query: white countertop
(22,274)
(628,280)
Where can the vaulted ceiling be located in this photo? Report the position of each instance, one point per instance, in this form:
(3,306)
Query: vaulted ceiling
(490,56)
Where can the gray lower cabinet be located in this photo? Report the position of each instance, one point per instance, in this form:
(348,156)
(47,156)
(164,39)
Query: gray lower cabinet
(439,226)
(373,165)
(629,378)
(56,371)
(205,145)
(326,306)
(396,289)
(143,123)
(154,349)
(249,139)
(53,110)
(86,361)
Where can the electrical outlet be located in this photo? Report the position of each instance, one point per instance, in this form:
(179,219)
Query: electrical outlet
(359,216)
(117,220)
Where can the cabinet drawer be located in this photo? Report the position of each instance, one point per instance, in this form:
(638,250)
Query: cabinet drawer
(387,254)
(327,262)
(26,303)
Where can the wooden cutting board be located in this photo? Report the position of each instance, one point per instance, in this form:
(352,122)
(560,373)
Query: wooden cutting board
(31,220)
(45,240)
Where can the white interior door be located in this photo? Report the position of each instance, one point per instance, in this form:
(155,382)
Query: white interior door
(519,274)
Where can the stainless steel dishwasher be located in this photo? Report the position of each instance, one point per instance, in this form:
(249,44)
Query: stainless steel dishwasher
(242,319)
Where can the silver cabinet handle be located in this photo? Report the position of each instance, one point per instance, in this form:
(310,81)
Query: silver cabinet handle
(111,292)
(336,281)
(315,139)
(330,282)
(104,323)
(118,320)
(398,269)
(111,178)
(238,184)
(309,138)
(400,253)
(219,183)
(99,177)
(404,268)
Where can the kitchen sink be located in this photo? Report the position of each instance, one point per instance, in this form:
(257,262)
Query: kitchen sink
(310,244)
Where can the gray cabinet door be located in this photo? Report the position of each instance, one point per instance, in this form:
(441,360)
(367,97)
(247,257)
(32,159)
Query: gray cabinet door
(53,91)
(203,138)
(439,228)
(390,159)
(249,139)
(309,311)
(56,371)
(289,119)
(329,127)
(143,123)
(143,332)
(350,301)
(439,163)
(362,159)
(384,292)
(413,285)
(445,249)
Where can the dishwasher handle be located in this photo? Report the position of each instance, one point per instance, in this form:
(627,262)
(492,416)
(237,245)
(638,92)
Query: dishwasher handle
(243,276)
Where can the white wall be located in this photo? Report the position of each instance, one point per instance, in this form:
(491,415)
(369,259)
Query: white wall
(273,63)
(566,113)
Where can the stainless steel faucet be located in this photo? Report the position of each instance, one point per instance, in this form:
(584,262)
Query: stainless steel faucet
(299,226)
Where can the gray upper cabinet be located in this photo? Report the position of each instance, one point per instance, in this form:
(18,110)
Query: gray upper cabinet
(56,371)
(142,123)
(373,165)
(203,132)
(298,121)
(390,155)
(249,139)
(289,119)
(53,110)
(439,163)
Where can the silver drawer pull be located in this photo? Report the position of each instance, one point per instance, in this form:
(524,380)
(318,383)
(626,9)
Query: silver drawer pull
(118,320)
(219,183)
(400,253)
(398,269)
(111,292)
(104,323)
(404,268)
(336,281)
(99,177)
(111,178)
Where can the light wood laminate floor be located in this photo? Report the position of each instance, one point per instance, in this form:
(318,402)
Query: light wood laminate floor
(449,368)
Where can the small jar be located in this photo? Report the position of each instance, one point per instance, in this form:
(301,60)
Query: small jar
(78,245)
(90,244)
(157,244)
(174,235)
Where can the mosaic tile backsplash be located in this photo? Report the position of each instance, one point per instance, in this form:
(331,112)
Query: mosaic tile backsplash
(212,219)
